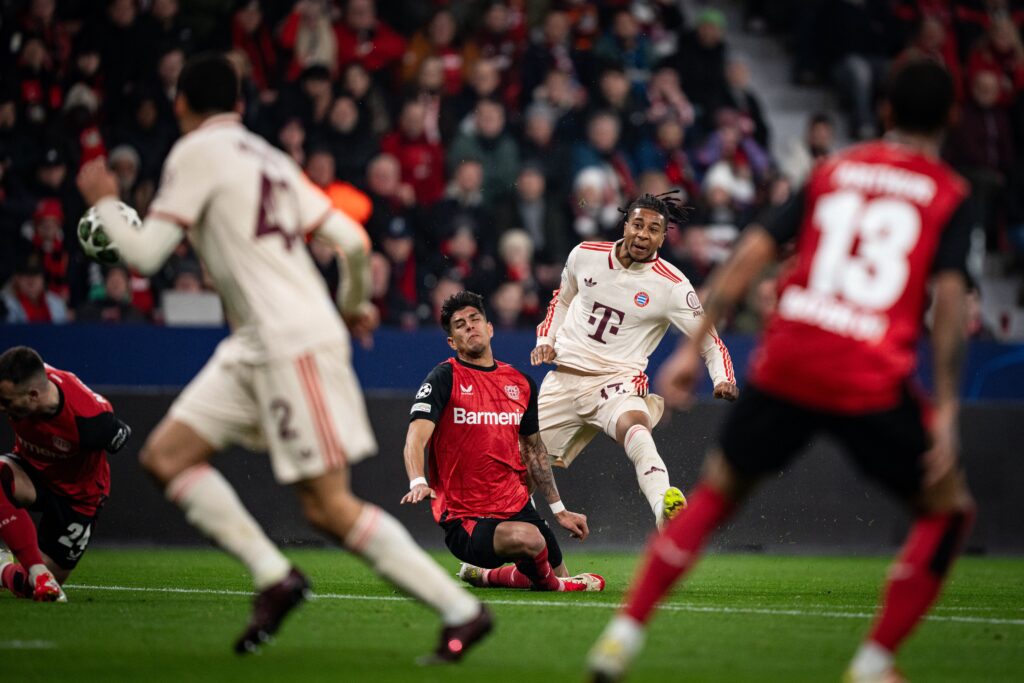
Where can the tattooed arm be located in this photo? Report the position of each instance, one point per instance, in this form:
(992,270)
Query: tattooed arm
(542,480)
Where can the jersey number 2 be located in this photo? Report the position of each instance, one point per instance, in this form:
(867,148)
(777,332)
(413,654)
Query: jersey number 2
(875,275)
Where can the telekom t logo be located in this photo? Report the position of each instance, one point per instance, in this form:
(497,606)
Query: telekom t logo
(606,322)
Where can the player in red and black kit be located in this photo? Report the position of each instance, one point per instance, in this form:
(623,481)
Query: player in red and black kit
(58,469)
(873,227)
(480,419)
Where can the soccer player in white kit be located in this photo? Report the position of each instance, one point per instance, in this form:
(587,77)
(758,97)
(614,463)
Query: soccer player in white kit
(282,381)
(614,305)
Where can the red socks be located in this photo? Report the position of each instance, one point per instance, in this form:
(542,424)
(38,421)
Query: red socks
(17,530)
(507,577)
(538,571)
(675,550)
(15,579)
(917,576)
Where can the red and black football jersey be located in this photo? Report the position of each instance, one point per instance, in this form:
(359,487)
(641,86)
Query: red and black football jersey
(871,226)
(475,466)
(67,449)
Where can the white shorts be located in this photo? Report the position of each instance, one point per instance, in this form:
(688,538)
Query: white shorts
(574,408)
(307,411)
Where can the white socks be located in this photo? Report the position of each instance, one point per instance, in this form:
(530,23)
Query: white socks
(213,507)
(651,473)
(871,660)
(385,544)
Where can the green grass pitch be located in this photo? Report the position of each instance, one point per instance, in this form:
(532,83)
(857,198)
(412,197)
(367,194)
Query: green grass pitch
(171,615)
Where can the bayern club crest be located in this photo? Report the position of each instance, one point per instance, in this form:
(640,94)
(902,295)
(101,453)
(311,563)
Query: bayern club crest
(642,299)
(512,391)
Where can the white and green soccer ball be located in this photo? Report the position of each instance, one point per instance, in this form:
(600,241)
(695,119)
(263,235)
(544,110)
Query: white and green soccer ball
(96,243)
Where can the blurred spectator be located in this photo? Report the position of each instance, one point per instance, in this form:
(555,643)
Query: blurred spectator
(667,100)
(440,39)
(37,82)
(460,256)
(46,235)
(350,139)
(308,34)
(595,205)
(250,33)
(85,66)
(493,147)
(980,147)
(446,285)
(507,304)
(393,200)
(364,39)
(484,82)
(732,149)
(357,83)
(800,155)
(614,94)
(144,132)
(406,285)
(291,138)
(439,118)
(515,253)
(17,151)
(125,54)
(700,60)
(667,154)
(124,162)
(739,97)
(26,298)
(312,99)
(463,206)
(601,150)
(1001,53)
(568,98)
(542,217)
(114,305)
(857,48)
(499,40)
(542,148)
(343,196)
(169,66)
(164,25)
(932,41)
(625,46)
(552,51)
(421,160)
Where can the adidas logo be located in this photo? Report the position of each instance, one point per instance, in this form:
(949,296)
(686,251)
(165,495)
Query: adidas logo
(653,470)
(589,282)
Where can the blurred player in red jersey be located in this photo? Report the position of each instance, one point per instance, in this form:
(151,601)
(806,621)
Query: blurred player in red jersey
(613,306)
(873,226)
(282,381)
(58,469)
(480,419)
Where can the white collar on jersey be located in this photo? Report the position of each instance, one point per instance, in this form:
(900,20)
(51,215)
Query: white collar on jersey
(615,264)
(229,117)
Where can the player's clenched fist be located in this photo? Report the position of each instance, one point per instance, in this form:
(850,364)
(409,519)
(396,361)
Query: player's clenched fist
(727,390)
(418,493)
(575,523)
(542,354)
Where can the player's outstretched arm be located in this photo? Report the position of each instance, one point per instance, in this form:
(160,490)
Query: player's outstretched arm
(949,342)
(416,439)
(729,283)
(538,469)
(353,244)
(145,248)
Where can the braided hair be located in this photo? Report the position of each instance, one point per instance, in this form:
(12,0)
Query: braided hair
(668,204)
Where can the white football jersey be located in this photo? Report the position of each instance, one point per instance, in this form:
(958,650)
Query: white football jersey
(247,207)
(606,318)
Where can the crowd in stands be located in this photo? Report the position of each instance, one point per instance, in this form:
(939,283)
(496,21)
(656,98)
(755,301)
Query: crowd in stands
(477,140)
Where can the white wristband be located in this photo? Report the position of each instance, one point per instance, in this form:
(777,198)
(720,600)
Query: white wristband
(556,507)
(416,482)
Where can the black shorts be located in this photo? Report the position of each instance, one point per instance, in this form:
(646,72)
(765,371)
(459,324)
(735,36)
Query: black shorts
(471,539)
(763,433)
(62,531)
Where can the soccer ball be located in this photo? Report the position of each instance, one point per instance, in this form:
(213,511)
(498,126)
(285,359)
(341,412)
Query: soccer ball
(95,242)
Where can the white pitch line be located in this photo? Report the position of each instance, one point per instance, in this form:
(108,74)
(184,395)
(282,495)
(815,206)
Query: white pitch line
(27,644)
(670,607)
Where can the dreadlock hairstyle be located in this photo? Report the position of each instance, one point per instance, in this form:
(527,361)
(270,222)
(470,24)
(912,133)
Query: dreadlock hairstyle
(668,204)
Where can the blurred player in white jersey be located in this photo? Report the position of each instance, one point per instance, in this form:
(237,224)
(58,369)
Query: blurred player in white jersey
(282,381)
(614,305)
